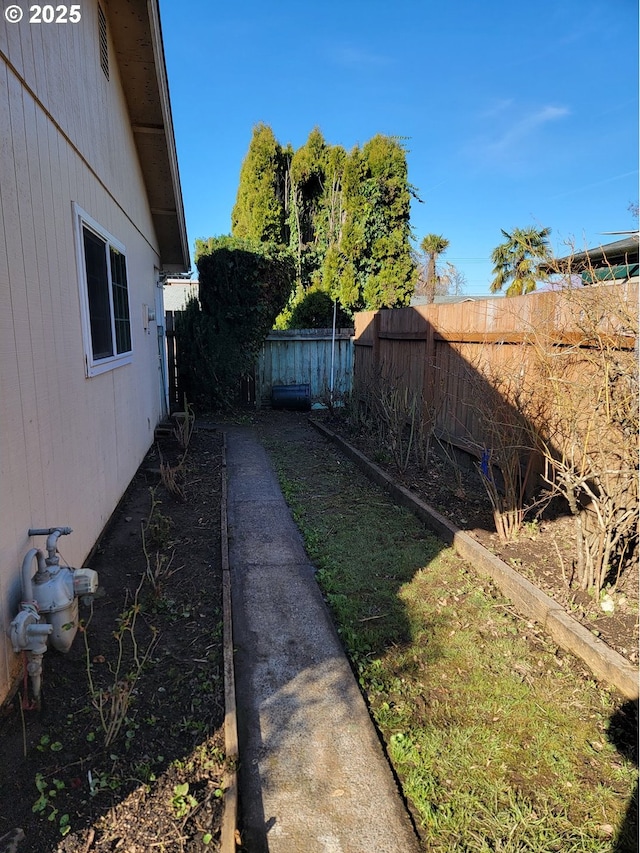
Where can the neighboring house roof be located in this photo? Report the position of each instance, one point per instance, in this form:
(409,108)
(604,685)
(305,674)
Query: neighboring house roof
(137,39)
(177,292)
(618,260)
(445,299)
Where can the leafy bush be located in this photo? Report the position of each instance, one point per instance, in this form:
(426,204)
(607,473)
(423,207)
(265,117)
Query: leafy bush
(315,311)
(243,287)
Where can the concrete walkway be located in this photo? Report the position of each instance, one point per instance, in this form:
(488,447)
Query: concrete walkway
(312,776)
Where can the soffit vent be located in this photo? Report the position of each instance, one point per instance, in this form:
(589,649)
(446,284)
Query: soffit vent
(104,46)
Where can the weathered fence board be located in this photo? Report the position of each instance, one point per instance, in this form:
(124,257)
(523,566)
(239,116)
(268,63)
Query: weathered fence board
(306,356)
(176,392)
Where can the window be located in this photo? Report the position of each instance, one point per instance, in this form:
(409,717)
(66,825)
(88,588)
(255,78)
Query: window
(104,296)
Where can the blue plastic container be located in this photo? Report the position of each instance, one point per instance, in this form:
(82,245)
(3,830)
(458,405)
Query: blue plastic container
(292,397)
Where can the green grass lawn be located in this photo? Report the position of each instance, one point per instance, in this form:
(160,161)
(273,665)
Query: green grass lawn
(501,741)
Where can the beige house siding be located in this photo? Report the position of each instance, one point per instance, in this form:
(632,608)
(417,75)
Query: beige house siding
(69,444)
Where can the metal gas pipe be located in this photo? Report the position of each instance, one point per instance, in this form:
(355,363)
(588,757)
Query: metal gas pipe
(49,607)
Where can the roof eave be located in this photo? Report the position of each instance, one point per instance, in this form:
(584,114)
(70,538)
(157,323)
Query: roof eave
(137,37)
(163,88)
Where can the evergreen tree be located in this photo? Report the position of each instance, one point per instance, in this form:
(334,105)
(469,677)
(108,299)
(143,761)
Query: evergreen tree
(329,218)
(344,217)
(259,211)
(315,311)
(315,208)
(376,269)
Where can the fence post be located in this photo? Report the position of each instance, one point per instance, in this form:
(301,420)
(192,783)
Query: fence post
(429,369)
(375,354)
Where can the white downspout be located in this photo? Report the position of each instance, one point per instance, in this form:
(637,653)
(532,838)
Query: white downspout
(333,350)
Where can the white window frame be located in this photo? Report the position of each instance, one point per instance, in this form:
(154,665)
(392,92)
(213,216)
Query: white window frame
(96,366)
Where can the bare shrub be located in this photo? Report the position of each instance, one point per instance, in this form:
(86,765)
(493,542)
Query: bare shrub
(589,433)
(547,399)
(400,419)
(113,699)
(155,539)
(173,476)
(504,399)
(335,400)
(184,425)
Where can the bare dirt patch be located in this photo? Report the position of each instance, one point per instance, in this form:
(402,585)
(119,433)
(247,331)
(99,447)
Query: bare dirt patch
(158,784)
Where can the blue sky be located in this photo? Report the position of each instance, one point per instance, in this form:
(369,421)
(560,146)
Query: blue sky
(514,114)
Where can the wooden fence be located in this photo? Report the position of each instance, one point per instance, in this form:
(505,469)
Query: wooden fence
(454,356)
(306,356)
(292,357)
(175,390)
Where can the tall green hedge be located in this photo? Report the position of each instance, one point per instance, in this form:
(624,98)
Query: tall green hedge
(344,217)
(243,287)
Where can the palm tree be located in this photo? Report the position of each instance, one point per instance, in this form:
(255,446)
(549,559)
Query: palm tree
(517,261)
(433,245)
